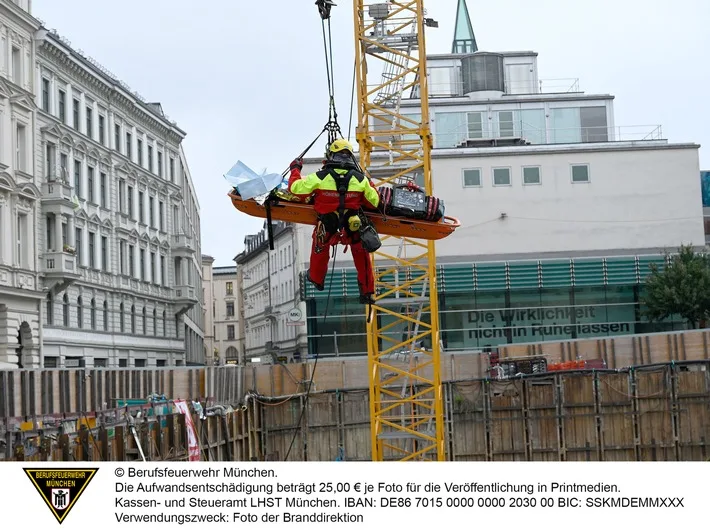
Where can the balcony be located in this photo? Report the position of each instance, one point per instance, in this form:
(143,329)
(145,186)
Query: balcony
(185,298)
(183,245)
(58,193)
(59,269)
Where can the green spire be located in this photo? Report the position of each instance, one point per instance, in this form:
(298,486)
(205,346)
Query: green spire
(464,39)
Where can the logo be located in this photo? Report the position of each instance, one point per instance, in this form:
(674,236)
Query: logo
(60,488)
(295,314)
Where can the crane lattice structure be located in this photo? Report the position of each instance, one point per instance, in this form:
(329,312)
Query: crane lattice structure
(406,404)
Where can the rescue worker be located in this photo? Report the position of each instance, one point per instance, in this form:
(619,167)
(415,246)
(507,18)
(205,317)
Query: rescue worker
(339,192)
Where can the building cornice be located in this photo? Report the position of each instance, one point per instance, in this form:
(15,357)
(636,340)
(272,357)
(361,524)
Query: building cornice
(19,15)
(86,72)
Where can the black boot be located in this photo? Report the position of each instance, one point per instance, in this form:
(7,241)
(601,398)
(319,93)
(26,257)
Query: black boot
(319,287)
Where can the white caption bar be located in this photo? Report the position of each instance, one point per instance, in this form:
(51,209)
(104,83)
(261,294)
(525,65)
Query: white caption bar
(354,496)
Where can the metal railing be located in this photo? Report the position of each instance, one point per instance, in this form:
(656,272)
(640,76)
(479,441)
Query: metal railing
(455,88)
(466,135)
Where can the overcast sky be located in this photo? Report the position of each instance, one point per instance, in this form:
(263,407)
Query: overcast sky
(246,78)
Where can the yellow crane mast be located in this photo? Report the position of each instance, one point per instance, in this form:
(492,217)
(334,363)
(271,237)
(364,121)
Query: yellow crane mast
(406,404)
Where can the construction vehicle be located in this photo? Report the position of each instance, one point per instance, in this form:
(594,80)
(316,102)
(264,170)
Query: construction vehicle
(406,403)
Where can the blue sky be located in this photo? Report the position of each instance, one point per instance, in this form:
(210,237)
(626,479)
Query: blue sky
(246,80)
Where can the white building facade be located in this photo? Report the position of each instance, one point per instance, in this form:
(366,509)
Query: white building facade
(120,221)
(98,214)
(21,287)
(273,310)
(222,311)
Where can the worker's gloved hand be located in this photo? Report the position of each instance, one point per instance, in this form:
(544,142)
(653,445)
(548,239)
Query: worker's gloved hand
(296,164)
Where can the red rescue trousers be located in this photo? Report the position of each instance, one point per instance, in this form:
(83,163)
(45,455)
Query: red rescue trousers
(320,256)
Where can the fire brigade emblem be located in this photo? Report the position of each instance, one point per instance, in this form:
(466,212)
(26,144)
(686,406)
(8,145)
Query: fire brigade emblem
(60,488)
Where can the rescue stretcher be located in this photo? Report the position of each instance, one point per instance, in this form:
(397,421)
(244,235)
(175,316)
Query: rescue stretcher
(303,213)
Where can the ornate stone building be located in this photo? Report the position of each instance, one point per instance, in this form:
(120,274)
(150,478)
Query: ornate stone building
(100,250)
(21,292)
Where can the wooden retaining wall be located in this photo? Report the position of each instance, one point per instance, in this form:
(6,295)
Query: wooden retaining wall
(28,393)
(655,412)
(647,413)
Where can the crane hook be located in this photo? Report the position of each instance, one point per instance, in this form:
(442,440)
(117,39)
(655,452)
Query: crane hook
(324,7)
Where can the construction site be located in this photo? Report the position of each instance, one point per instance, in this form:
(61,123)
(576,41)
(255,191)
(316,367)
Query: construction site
(651,402)
(636,397)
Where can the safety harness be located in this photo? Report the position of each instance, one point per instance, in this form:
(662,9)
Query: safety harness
(342,182)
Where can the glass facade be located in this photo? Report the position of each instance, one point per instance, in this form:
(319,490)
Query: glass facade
(566,125)
(489,304)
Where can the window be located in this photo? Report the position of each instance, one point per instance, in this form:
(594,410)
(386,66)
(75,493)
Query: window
(90,183)
(122,319)
(45,95)
(142,263)
(105,316)
(102,130)
(531,175)
(230,288)
(77,178)
(16,65)
(93,314)
(150,158)
(139,144)
(161,209)
(104,197)
(506,123)
(104,253)
(152,268)
(145,322)
(78,247)
(117,137)
(21,159)
(133,319)
(62,106)
(130,203)
(165,325)
(65,310)
(475,125)
(172,169)
(50,309)
(122,257)
(151,211)
(501,177)
(92,250)
(160,164)
(155,322)
(140,206)
(593,122)
(163,279)
(121,198)
(129,145)
(131,261)
(64,165)
(76,104)
(472,177)
(230,332)
(79,313)
(90,122)
(580,173)
(230,309)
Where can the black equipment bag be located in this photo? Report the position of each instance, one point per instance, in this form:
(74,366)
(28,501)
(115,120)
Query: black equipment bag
(410,201)
(369,238)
